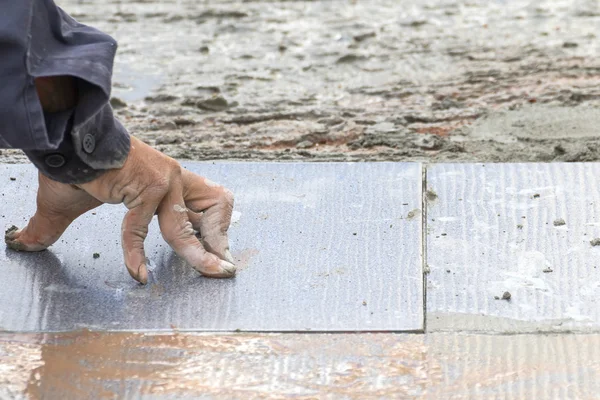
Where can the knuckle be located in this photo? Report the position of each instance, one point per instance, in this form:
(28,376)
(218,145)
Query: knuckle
(215,242)
(174,168)
(182,233)
(160,185)
(228,196)
(133,230)
(139,232)
(152,193)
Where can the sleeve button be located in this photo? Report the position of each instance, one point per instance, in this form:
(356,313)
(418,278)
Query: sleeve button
(89,143)
(55,160)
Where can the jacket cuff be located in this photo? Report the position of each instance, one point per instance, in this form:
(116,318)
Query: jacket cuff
(86,151)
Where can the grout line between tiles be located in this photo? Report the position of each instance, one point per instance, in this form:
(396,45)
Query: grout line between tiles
(425,267)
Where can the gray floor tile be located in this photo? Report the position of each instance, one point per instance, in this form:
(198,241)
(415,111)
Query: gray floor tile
(492,230)
(320,247)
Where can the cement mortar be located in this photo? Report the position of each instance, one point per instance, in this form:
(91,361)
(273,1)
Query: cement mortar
(435,80)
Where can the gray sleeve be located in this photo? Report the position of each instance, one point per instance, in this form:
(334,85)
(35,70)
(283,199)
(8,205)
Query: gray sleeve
(38,39)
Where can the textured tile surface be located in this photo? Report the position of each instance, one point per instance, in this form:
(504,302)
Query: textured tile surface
(300,366)
(320,247)
(492,229)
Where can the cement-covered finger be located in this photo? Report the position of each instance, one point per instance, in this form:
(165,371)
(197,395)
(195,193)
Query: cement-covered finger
(178,231)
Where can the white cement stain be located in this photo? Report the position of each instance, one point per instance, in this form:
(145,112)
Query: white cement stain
(178,208)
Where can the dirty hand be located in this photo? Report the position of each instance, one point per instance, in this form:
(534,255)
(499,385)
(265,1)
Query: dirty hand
(149,183)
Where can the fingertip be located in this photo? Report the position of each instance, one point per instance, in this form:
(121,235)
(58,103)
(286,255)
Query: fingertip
(229,268)
(17,241)
(11,233)
(142,275)
(218,269)
(15,245)
(229,257)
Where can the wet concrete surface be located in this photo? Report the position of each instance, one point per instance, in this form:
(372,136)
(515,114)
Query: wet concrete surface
(275,366)
(352,80)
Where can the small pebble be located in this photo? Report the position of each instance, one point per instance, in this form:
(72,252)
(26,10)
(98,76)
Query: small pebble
(595,242)
(559,222)
(96,255)
(305,144)
(506,296)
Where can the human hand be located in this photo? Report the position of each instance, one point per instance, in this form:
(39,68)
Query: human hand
(149,183)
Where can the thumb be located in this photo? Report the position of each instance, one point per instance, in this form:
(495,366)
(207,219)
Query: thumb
(58,205)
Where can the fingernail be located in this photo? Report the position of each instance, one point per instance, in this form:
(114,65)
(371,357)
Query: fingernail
(229,268)
(15,245)
(142,274)
(10,239)
(229,257)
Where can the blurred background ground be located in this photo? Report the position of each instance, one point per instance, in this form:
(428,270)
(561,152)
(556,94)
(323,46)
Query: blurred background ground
(434,80)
